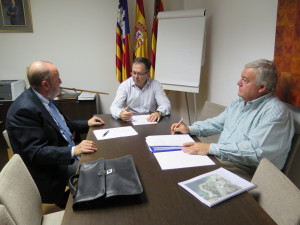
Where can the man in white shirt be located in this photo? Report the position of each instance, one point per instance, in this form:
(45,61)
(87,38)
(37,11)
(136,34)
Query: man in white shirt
(140,94)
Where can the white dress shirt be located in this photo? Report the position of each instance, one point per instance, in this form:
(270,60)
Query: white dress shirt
(147,100)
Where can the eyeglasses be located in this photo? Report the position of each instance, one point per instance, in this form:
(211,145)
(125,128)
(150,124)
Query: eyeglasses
(138,74)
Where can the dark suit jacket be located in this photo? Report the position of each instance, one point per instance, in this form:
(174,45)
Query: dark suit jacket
(35,136)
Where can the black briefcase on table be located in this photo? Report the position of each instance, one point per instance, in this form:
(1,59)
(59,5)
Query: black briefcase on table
(104,180)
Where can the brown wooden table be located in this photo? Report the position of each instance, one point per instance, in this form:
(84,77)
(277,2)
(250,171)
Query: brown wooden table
(163,201)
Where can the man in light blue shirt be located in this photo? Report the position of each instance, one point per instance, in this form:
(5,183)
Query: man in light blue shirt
(255,126)
(140,94)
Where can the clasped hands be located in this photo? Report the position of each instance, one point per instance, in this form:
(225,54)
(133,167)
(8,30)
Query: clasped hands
(127,116)
(193,148)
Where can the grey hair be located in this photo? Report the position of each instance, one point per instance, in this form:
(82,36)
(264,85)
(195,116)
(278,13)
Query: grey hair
(266,73)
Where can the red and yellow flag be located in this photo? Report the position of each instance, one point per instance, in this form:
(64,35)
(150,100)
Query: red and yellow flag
(158,7)
(141,36)
(122,42)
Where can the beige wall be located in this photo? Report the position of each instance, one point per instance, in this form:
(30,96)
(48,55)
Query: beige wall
(79,37)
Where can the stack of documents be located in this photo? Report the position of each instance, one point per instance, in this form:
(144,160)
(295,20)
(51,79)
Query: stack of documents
(162,143)
(167,151)
(86,96)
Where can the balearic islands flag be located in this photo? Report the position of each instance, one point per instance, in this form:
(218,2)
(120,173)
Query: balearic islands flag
(141,36)
(122,42)
(158,7)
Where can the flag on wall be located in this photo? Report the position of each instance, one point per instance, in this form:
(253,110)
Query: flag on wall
(141,36)
(158,7)
(122,42)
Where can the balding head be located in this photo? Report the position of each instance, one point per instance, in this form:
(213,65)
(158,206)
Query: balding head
(44,78)
(37,72)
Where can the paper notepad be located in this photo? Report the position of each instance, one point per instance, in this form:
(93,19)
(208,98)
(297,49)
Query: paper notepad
(217,186)
(117,132)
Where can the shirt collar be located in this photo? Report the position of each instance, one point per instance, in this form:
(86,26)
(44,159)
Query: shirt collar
(258,100)
(44,100)
(133,84)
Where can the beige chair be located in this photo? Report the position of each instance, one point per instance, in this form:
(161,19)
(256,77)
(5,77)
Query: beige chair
(46,208)
(276,194)
(20,201)
(210,110)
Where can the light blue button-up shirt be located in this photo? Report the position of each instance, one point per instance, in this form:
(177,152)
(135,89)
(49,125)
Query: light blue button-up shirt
(150,99)
(262,128)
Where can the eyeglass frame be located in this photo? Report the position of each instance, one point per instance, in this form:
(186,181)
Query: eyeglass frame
(138,74)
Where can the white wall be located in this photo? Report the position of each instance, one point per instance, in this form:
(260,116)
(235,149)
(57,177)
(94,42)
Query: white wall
(80,39)
(238,31)
(77,36)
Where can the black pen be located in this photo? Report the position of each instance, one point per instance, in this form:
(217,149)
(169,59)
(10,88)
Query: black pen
(105,133)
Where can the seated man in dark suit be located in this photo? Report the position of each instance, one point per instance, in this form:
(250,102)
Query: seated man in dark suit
(47,141)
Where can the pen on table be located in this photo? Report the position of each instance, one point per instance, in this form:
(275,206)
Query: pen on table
(177,124)
(105,133)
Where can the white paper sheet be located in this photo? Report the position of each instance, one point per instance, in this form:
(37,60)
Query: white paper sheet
(141,120)
(114,132)
(179,159)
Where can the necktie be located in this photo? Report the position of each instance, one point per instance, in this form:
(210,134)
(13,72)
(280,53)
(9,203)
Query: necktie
(61,124)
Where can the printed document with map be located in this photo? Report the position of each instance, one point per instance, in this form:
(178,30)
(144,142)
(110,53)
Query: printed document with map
(216,186)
